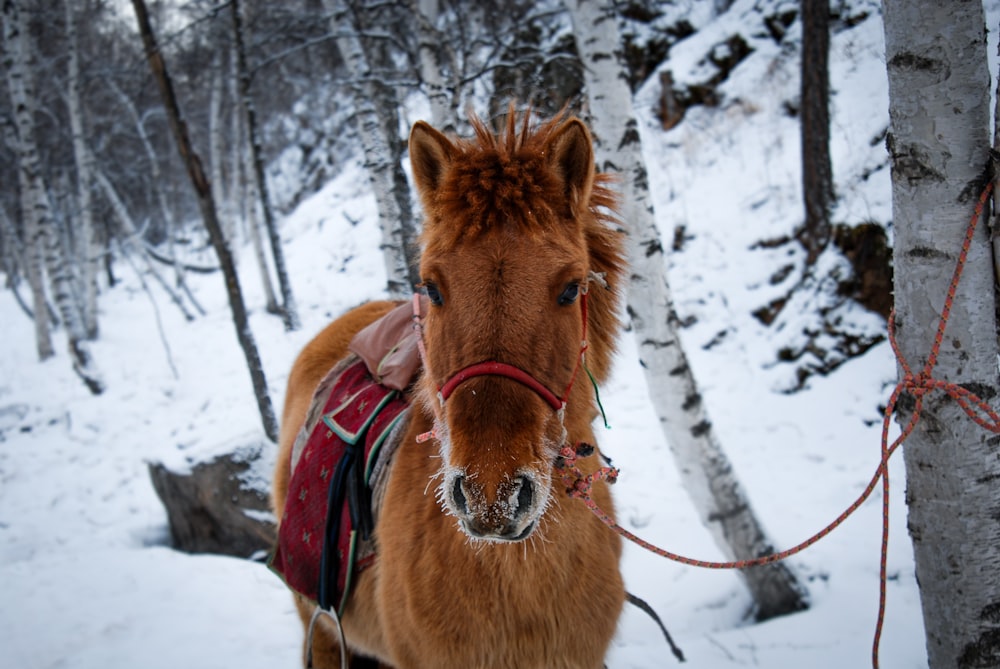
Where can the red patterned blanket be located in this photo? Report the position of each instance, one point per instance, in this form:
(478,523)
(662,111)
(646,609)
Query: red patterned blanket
(325,533)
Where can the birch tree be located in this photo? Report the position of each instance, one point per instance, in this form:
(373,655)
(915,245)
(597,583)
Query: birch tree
(203,191)
(31,260)
(939,146)
(705,470)
(252,216)
(89,252)
(12,258)
(375,114)
(40,222)
(258,177)
(244,198)
(161,197)
(216,143)
(131,239)
(432,46)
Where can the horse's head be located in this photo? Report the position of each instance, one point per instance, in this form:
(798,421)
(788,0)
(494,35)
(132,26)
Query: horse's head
(513,235)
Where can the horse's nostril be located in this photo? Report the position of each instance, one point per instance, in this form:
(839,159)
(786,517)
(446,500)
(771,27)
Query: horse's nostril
(458,495)
(524,495)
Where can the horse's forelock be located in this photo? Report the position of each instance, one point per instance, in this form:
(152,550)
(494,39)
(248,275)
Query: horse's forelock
(503,178)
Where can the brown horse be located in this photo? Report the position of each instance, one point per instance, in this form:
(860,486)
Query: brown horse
(483,560)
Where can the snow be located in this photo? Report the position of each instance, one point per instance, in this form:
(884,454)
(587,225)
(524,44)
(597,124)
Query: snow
(86,574)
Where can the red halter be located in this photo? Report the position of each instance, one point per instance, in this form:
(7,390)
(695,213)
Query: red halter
(494,368)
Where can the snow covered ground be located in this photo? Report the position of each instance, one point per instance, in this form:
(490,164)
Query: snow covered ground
(87,579)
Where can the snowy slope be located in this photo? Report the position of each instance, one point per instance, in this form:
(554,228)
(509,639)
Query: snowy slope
(87,581)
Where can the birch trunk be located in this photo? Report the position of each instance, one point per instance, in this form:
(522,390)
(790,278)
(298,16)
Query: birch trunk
(252,219)
(215,150)
(161,198)
(244,198)
(130,239)
(36,209)
(705,470)
(204,193)
(13,258)
(89,251)
(239,188)
(430,45)
(395,220)
(939,146)
(289,312)
(32,260)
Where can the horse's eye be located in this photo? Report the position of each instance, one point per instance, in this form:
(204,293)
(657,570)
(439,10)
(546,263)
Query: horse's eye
(569,294)
(433,294)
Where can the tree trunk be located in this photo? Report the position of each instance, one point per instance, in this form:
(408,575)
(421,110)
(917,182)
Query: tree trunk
(252,219)
(289,310)
(430,44)
(374,115)
(31,260)
(36,209)
(130,239)
(12,251)
(89,251)
(994,219)
(204,192)
(705,469)
(939,146)
(218,505)
(216,142)
(154,168)
(817,173)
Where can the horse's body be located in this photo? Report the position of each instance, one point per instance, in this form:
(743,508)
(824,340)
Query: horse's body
(483,560)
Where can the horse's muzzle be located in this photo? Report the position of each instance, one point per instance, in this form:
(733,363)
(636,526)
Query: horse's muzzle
(511,516)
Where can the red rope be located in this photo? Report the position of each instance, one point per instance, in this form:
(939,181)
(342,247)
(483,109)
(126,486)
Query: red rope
(918,385)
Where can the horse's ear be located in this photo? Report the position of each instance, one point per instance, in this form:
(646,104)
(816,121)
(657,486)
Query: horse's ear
(571,155)
(430,155)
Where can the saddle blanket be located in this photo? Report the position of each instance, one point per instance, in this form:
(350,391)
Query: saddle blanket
(324,537)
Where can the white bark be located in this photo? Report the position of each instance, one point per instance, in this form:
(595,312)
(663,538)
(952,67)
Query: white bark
(994,220)
(939,146)
(289,311)
(31,258)
(13,259)
(36,208)
(253,228)
(239,189)
(378,152)
(199,182)
(88,252)
(705,470)
(154,170)
(216,147)
(431,45)
(131,242)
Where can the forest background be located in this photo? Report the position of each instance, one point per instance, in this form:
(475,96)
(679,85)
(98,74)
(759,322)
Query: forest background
(787,342)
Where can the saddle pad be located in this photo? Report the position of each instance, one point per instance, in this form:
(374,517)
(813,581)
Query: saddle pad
(389,347)
(356,419)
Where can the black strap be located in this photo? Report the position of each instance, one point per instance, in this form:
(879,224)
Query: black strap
(329,564)
(359,499)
